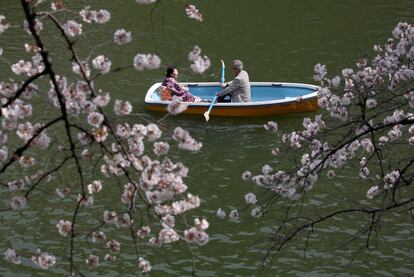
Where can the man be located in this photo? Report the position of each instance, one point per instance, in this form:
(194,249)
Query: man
(239,88)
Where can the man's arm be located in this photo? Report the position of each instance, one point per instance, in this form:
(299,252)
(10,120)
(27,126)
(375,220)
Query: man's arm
(235,84)
(226,84)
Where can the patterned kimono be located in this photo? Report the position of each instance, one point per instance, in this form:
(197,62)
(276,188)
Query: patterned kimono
(178,90)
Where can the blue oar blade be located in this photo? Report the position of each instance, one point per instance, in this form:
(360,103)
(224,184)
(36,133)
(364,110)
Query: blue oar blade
(222,71)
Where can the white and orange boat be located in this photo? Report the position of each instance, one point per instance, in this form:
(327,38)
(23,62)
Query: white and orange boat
(268,98)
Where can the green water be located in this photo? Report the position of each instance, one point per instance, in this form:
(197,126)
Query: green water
(277,41)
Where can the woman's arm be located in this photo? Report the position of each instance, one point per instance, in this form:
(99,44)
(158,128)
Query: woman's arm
(172,85)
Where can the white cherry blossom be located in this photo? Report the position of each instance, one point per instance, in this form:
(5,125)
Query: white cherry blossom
(102,63)
(72,28)
(121,36)
(193,12)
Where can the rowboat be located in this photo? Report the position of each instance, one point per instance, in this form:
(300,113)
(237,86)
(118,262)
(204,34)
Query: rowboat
(267,99)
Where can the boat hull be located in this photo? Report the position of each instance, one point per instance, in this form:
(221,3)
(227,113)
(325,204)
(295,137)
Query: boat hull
(308,105)
(306,102)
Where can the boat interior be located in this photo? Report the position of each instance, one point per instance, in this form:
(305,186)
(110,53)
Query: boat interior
(259,92)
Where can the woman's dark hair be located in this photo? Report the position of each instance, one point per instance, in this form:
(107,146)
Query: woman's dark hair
(170,70)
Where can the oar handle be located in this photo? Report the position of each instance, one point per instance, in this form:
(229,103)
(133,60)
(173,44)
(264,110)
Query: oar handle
(222,71)
(212,103)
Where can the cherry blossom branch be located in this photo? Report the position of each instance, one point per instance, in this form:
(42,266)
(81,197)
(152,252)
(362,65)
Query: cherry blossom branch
(280,243)
(22,89)
(70,45)
(19,151)
(72,235)
(30,17)
(46,174)
(123,154)
(348,141)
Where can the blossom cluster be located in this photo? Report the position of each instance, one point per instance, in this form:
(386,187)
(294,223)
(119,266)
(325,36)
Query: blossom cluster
(3,25)
(193,12)
(197,233)
(29,68)
(143,264)
(146,61)
(121,36)
(43,259)
(113,245)
(89,16)
(81,68)
(11,256)
(38,26)
(102,63)
(27,131)
(22,183)
(356,101)
(57,5)
(78,99)
(122,107)
(72,28)
(233,215)
(199,63)
(177,106)
(185,141)
(64,227)
(162,181)
(80,105)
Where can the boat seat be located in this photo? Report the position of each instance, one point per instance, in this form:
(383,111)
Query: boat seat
(164,93)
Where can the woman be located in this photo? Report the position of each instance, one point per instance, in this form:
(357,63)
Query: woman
(170,82)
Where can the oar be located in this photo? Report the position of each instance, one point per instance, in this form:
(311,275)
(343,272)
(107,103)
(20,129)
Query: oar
(207,113)
(222,71)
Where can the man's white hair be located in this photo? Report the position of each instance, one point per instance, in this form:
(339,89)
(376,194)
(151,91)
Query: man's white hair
(237,64)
